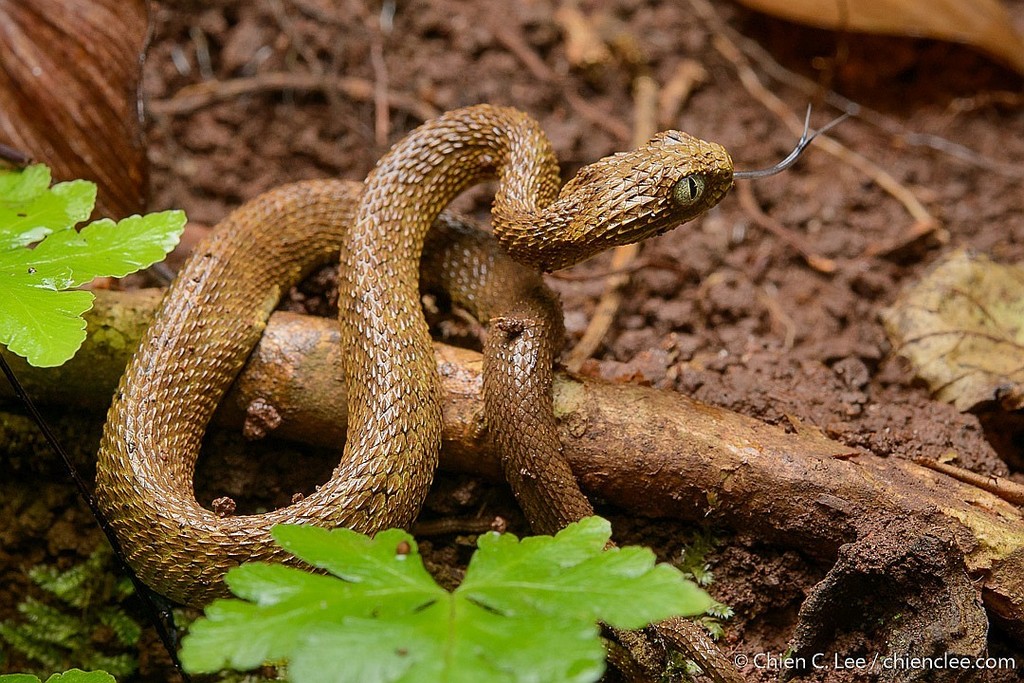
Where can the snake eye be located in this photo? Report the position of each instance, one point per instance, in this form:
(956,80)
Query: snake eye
(688,190)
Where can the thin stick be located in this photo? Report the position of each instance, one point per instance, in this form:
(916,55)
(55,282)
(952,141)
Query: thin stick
(532,61)
(662,264)
(687,77)
(155,612)
(891,126)
(748,202)
(459,525)
(301,47)
(196,96)
(295,40)
(15,158)
(1008,490)
(645,95)
(381,118)
(771,101)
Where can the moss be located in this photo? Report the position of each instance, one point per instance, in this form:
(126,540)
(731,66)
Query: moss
(78,621)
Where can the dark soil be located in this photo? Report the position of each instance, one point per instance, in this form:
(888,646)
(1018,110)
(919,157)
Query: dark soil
(725,311)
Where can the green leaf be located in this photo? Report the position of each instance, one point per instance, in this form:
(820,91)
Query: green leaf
(24,186)
(288,603)
(242,635)
(72,676)
(358,558)
(29,212)
(620,586)
(453,641)
(526,612)
(103,248)
(42,325)
(79,676)
(37,319)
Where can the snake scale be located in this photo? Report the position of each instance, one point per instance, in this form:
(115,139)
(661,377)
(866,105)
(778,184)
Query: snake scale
(215,311)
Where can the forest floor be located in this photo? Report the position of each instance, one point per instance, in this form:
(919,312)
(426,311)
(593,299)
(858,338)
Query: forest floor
(723,310)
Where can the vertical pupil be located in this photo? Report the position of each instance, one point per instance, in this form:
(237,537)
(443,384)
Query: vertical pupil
(688,189)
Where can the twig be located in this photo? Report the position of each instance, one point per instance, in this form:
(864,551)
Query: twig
(198,95)
(749,204)
(923,219)
(459,525)
(584,46)
(766,296)
(687,77)
(202,53)
(607,307)
(156,614)
(294,39)
(645,111)
(641,264)
(381,118)
(764,60)
(9,156)
(541,71)
(1008,490)
(325,15)
(301,47)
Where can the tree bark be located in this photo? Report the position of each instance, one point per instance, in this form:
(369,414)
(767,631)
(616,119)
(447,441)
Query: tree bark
(653,452)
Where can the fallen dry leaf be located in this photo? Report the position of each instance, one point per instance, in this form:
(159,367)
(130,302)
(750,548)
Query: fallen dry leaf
(69,76)
(962,327)
(984,24)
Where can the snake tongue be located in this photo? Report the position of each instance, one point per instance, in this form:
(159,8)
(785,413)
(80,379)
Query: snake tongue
(805,139)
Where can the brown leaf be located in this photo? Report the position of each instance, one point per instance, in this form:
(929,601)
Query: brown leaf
(69,77)
(983,24)
(962,327)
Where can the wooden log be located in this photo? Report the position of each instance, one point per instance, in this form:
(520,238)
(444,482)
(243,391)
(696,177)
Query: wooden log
(654,452)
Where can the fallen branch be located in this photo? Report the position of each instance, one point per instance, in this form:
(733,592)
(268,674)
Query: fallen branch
(653,452)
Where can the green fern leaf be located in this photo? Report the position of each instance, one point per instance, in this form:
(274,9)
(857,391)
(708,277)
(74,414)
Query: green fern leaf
(41,255)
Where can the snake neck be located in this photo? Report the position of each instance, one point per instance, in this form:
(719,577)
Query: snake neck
(621,199)
(423,173)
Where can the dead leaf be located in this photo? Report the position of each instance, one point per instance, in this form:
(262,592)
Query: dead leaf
(69,77)
(962,327)
(983,24)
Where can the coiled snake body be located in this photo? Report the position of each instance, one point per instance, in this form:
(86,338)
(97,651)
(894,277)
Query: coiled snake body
(215,312)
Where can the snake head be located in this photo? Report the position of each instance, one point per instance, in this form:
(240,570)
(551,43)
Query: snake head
(630,196)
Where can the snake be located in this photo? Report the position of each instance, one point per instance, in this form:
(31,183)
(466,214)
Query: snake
(216,309)
(524,335)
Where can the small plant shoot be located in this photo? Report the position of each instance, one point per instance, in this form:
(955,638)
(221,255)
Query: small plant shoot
(527,610)
(42,256)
